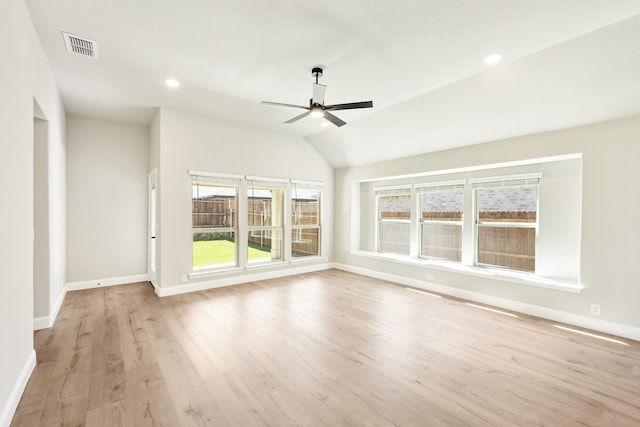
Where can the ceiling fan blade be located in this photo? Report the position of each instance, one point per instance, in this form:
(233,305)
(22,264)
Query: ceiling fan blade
(296,118)
(318,93)
(350,106)
(280,104)
(333,119)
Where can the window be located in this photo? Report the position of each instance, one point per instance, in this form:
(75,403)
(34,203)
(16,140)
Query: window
(243,222)
(517,221)
(265,202)
(394,220)
(214,208)
(305,219)
(506,218)
(441,212)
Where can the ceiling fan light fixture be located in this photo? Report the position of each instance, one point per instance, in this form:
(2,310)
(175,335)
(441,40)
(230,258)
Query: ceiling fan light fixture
(316,111)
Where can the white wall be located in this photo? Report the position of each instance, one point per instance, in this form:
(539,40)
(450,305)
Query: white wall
(41,243)
(24,76)
(609,266)
(154,165)
(189,142)
(107,167)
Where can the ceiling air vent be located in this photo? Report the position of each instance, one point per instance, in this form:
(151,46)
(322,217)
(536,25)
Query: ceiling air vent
(80,46)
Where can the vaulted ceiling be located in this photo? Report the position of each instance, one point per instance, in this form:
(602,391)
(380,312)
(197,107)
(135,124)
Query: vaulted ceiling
(565,63)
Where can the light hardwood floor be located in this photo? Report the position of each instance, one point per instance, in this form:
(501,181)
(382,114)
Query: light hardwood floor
(320,349)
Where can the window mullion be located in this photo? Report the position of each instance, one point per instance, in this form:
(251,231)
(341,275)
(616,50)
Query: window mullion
(468,227)
(243,225)
(414,226)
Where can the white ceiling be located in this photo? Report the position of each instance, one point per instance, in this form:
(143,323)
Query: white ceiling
(566,63)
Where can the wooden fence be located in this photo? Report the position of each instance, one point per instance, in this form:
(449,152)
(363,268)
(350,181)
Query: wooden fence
(508,247)
(221,212)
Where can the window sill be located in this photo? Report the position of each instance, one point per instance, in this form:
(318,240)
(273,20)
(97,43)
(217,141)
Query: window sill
(489,273)
(213,272)
(209,272)
(264,265)
(309,259)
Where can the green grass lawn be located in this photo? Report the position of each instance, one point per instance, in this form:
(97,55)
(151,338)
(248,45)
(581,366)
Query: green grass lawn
(213,252)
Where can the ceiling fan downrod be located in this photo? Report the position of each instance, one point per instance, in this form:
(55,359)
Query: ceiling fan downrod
(317,72)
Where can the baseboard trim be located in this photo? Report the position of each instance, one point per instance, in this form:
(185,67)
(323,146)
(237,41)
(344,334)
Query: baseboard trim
(111,281)
(45,322)
(11,405)
(238,280)
(599,325)
(42,322)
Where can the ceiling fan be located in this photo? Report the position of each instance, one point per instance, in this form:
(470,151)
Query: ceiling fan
(316,106)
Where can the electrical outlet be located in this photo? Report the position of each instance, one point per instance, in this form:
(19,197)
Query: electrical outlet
(183,278)
(595,309)
(430,277)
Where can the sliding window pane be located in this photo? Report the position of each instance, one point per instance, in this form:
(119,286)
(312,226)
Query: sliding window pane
(265,245)
(507,247)
(441,241)
(506,225)
(265,220)
(304,242)
(393,237)
(214,225)
(441,210)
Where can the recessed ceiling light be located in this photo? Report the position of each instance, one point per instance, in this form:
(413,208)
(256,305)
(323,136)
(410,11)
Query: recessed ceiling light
(492,59)
(172,83)
(324,124)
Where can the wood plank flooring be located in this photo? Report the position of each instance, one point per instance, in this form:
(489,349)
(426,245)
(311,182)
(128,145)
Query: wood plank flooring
(321,349)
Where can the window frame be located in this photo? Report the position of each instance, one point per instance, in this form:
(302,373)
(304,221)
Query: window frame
(242,230)
(514,181)
(439,186)
(400,190)
(267,184)
(300,228)
(221,181)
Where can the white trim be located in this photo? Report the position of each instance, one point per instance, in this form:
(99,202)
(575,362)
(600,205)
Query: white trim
(240,279)
(519,177)
(42,322)
(307,184)
(406,187)
(308,259)
(436,184)
(11,405)
(213,271)
(45,322)
(262,265)
(56,308)
(111,281)
(477,168)
(485,272)
(612,328)
(216,175)
(266,179)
